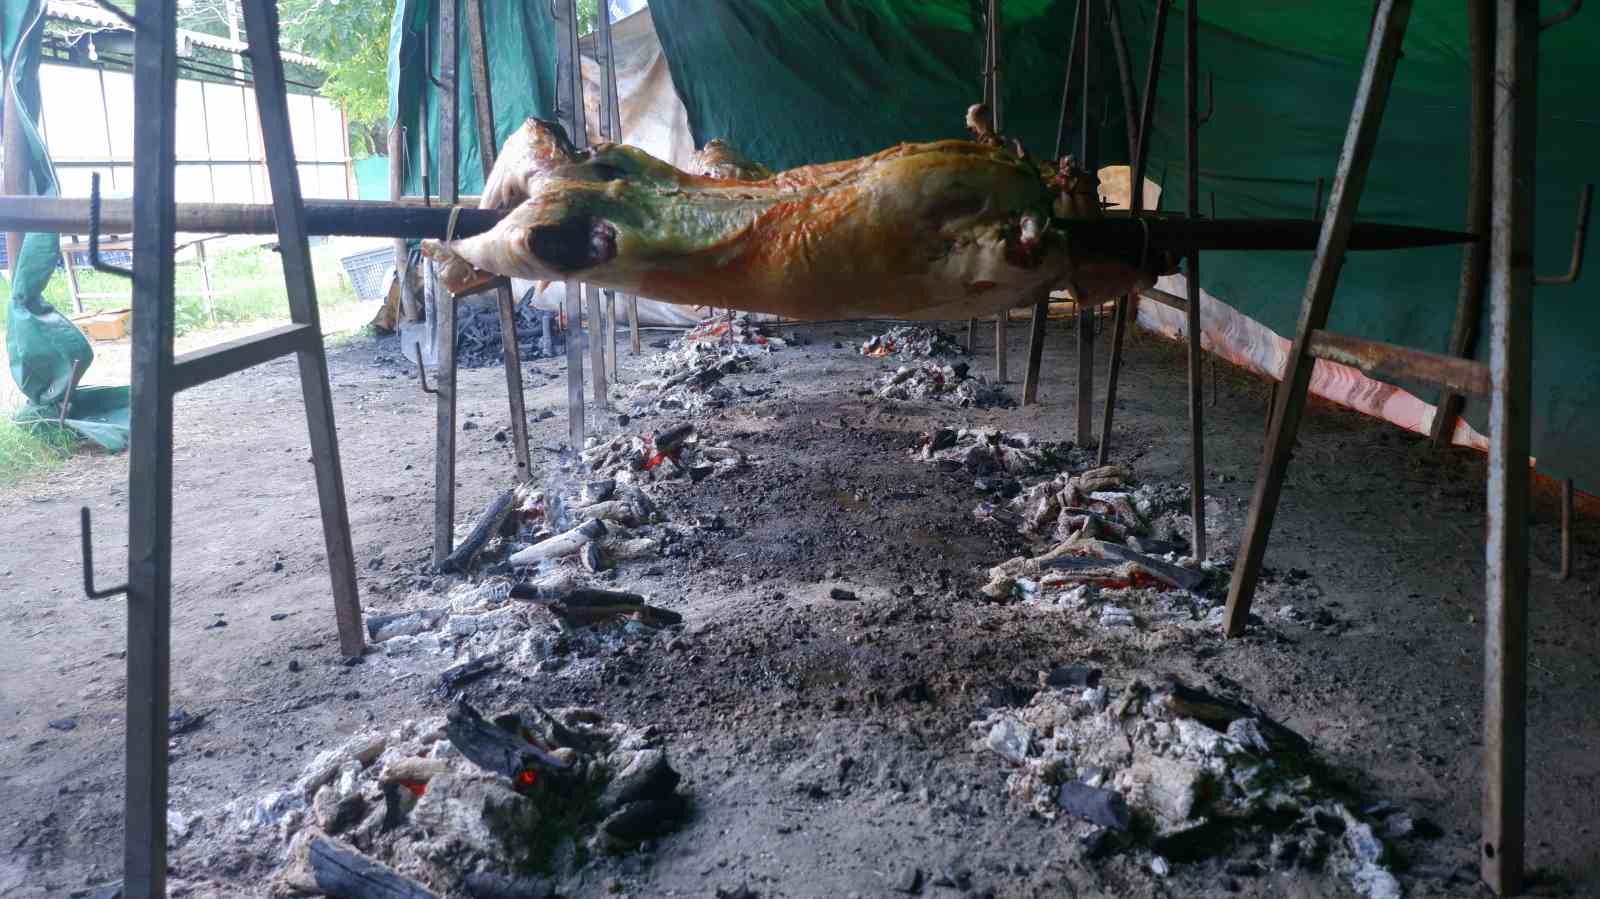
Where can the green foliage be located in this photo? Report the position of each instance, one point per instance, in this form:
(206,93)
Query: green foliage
(351,39)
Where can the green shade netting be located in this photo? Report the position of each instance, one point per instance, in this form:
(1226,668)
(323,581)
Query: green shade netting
(519,46)
(799,81)
(47,353)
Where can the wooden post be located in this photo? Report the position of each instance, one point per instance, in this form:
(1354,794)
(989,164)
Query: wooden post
(1511,241)
(155,64)
(1475,256)
(444,451)
(1036,329)
(1377,75)
(511,353)
(1197,461)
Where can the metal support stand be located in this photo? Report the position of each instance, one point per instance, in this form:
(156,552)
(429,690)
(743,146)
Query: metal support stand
(1088,156)
(1505,662)
(511,353)
(1139,153)
(1475,257)
(569,112)
(991,97)
(158,375)
(611,129)
(1566,530)
(1383,54)
(444,448)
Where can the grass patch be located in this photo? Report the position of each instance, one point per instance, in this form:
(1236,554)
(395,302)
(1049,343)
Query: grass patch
(247,281)
(31,449)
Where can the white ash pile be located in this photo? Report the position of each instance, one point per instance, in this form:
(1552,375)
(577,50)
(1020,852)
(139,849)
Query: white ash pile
(953,384)
(469,806)
(1103,535)
(912,341)
(1179,775)
(731,328)
(989,452)
(671,453)
(689,377)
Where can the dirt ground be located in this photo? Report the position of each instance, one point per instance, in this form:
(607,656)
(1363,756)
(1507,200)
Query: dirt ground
(771,685)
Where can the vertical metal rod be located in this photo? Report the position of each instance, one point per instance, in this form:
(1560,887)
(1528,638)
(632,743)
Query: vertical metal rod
(1087,157)
(597,346)
(409,309)
(1511,242)
(1137,150)
(633,323)
(1475,256)
(1130,95)
(611,334)
(208,298)
(510,351)
(1191,277)
(1002,322)
(570,113)
(155,65)
(575,407)
(1036,329)
(261,20)
(444,450)
(72,284)
(1566,529)
(611,129)
(1066,84)
(1377,75)
(972,335)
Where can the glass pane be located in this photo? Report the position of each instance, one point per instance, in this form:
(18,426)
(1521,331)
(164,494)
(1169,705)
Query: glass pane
(77,129)
(191,135)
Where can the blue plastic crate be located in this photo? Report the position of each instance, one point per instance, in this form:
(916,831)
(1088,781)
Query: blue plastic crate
(369,272)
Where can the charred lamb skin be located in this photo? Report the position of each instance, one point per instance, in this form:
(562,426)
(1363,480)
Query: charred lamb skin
(940,230)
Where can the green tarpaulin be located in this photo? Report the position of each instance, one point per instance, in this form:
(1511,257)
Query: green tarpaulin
(519,45)
(47,353)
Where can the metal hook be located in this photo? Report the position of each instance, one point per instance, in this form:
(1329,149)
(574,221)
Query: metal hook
(1558,18)
(94,233)
(1579,238)
(88,561)
(1211,97)
(422,374)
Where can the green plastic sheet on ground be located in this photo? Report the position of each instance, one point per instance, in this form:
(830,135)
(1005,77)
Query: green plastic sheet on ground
(799,81)
(520,50)
(46,351)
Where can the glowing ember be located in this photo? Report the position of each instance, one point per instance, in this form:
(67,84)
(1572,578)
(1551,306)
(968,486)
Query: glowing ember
(417,787)
(525,778)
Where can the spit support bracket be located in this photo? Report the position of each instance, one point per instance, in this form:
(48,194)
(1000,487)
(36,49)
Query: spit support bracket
(1580,236)
(99,264)
(84,529)
(422,374)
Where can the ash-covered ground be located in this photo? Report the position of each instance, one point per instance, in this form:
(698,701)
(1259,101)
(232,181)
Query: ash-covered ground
(870,692)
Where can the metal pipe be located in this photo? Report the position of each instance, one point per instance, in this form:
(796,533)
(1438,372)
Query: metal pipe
(1066,86)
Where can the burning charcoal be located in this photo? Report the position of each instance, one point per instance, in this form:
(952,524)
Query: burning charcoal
(504,753)
(472,669)
(563,544)
(942,439)
(698,473)
(643,509)
(598,491)
(325,866)
(1175,575)
(668,441)
(1106,808)
(590,557)
(486,527)
(387,626)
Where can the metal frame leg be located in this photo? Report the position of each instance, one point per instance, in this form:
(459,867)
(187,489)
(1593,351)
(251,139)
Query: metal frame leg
(1475,256)
(1510,399)
(1566,530)
(1377,75)
(1001,323)
(1191,313)
(1085,388)
(597,346)
(1030,378)
(444,458)
(575,409)
(150,453)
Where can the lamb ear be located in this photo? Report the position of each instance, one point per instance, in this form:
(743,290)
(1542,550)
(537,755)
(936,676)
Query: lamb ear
(456,274)
(537,147)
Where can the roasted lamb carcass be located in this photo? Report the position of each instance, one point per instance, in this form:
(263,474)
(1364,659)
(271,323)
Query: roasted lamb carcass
(950,229)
